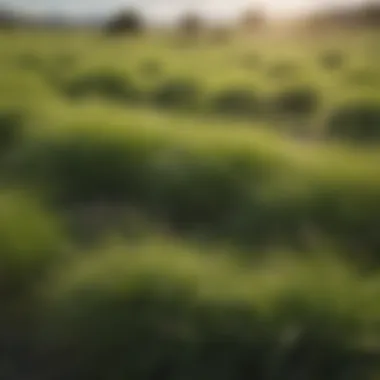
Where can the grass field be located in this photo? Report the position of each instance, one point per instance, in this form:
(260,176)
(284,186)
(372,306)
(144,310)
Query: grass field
(189,210)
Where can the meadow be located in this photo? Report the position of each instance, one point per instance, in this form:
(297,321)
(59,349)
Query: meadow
(181,209)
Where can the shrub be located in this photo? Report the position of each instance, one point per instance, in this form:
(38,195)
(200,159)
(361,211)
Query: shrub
(108,84)
(332,59)
(237,101)
(296,102)
(356,122)
(125,22)
(169,312)
(182,93)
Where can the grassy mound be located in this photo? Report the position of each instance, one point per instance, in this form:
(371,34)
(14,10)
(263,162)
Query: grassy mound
(236,101)
(296,102)
(252,191)
(107,84)
(30,242)
(178,93)
(175,313)
(356,122)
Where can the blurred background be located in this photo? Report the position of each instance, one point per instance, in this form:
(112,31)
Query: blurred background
(189,190)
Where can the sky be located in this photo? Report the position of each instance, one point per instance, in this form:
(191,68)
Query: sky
(167,9)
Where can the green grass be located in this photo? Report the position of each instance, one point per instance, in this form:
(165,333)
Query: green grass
(246,216)
(180,312)
(250,186)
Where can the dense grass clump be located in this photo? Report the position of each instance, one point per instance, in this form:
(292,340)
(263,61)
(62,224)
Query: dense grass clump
(181,93)
(106,84)
(296,102)
(31,247)
(175,313)
(236,101)
(30,242)
(355,122)
(91,166)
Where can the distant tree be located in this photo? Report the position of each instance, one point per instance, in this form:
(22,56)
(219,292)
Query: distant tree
(252,20)
(371,13)
(191,24)
(367,14)
(7,19)
(125,22)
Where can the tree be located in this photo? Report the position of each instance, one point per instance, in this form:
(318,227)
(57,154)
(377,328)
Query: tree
(125,22)
(371,14)
(7,19)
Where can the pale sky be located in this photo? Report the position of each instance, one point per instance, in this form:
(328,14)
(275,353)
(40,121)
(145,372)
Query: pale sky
(166,9)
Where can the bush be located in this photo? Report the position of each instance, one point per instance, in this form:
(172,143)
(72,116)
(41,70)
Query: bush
(332,59)
(178,93)
(356,122)
(107,84)
(296,102)
(236,101)
(169,312)
(125,22)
